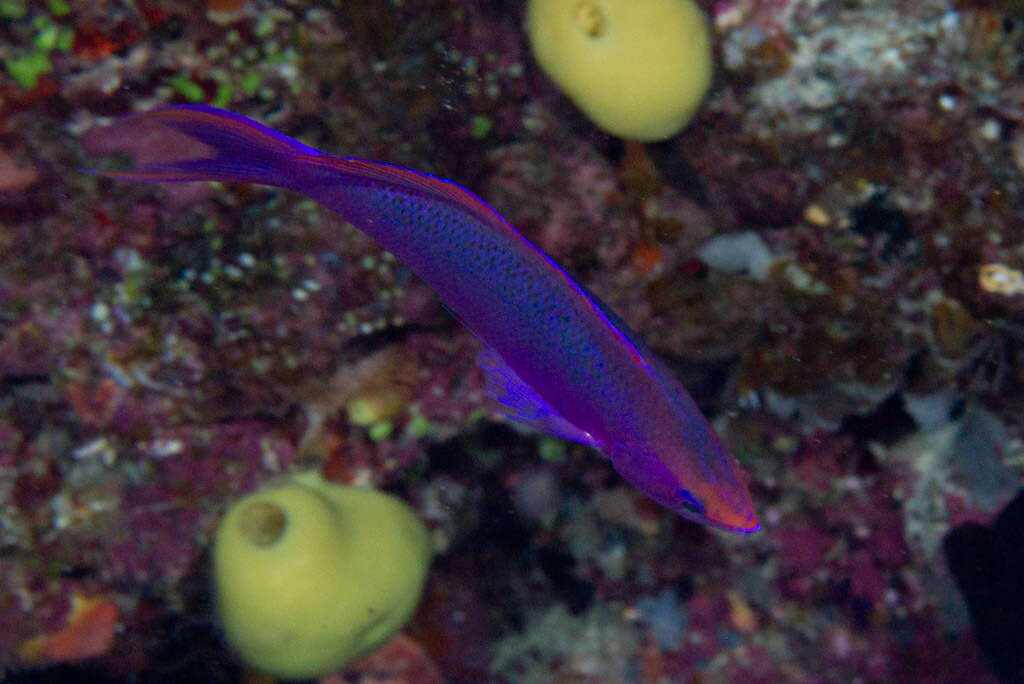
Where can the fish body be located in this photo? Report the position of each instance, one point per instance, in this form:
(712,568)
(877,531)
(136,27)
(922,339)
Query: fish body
(554,356)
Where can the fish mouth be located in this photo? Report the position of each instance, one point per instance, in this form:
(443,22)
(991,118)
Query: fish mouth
(749,526)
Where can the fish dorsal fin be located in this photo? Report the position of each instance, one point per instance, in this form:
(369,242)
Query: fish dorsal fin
(656,366)
(439,188)
(517,401)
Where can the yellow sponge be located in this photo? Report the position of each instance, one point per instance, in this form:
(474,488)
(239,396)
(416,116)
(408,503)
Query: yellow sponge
(310,575)
(637,68)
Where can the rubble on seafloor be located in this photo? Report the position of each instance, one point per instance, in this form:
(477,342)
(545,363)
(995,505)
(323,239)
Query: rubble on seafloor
(829,256)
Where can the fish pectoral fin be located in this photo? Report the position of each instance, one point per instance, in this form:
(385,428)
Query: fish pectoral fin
(517,401)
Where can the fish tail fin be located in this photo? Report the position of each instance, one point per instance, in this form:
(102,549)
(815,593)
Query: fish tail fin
(199,143)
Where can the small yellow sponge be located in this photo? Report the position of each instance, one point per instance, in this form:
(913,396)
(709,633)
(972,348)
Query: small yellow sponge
(637,68)
(310,575)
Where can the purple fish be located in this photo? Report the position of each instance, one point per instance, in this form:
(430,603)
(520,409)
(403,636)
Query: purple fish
(555,358)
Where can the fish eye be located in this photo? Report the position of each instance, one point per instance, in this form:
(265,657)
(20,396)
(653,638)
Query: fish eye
(691,503)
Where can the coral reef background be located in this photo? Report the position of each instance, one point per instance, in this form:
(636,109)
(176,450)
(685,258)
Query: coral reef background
(830,256)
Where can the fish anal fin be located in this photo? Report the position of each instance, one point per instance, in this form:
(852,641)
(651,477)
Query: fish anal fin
(517,401)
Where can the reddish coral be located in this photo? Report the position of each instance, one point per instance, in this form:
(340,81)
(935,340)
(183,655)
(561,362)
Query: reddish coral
(88,633)
(400,661)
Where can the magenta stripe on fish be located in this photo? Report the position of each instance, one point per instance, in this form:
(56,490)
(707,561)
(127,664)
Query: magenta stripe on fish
(554,356)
